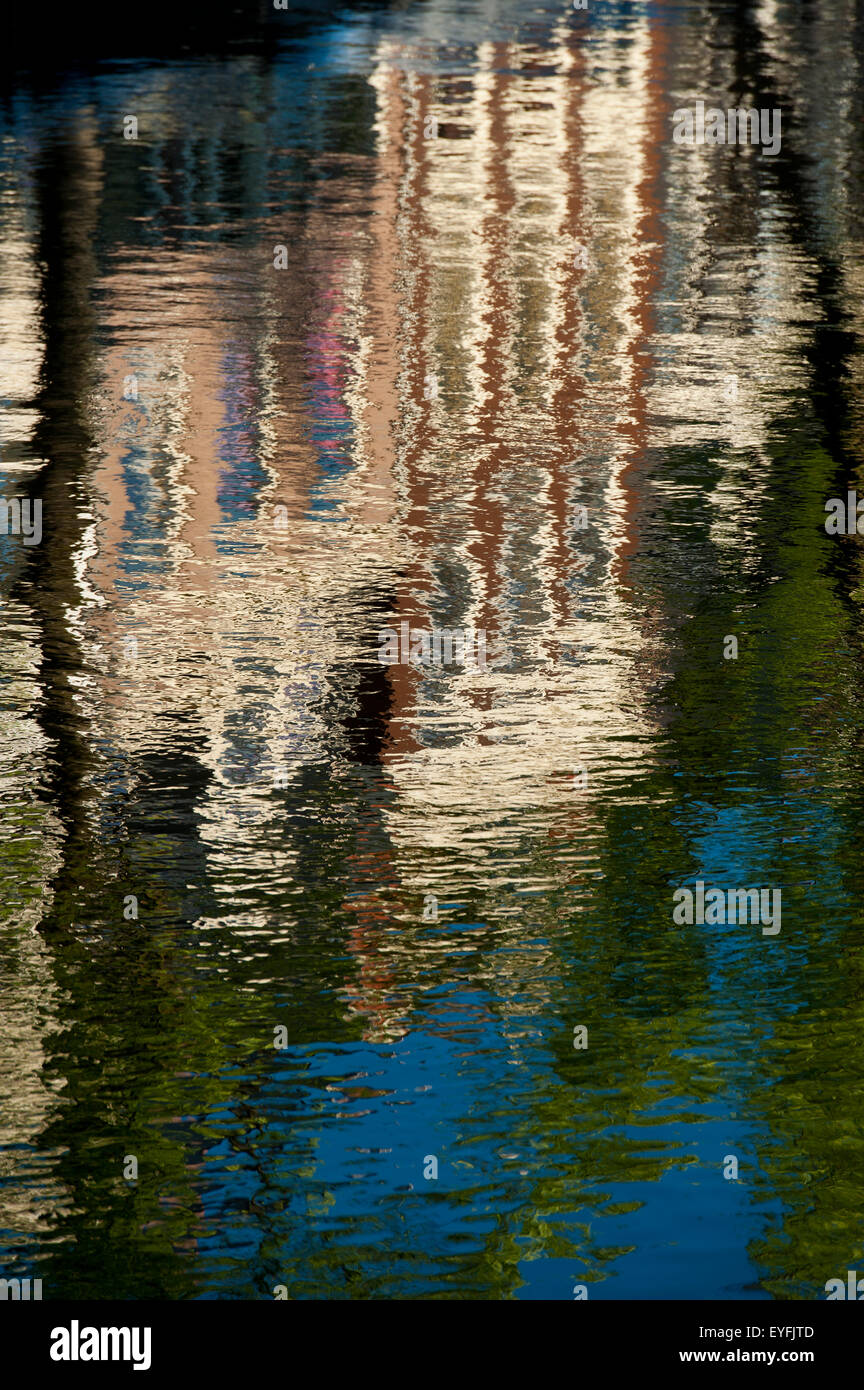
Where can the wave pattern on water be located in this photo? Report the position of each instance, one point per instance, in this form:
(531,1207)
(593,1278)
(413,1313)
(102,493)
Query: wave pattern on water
(531,370)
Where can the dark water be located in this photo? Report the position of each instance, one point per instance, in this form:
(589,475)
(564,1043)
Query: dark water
(402,426)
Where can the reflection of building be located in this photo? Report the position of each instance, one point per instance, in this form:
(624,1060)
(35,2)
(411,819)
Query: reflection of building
(487,281)
(430,392)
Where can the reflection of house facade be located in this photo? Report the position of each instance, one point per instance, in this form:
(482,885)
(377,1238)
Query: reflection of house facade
(430,393)
(490,216)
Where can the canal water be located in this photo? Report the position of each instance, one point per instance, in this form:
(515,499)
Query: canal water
(334,977)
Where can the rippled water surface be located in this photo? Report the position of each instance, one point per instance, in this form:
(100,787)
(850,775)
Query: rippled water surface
(549,376)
